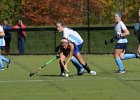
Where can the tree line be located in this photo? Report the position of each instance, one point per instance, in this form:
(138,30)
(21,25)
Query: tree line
(77,12)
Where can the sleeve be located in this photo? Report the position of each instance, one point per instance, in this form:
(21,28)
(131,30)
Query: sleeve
(7,27)
(23,26)
(15,27)
(65,33)
(123,27)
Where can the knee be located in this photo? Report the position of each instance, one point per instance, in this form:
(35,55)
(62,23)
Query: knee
(116,56)
(122,57)
(73,58)
(61,63)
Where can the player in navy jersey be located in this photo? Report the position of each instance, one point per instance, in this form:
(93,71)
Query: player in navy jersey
(69,49)
(74,37)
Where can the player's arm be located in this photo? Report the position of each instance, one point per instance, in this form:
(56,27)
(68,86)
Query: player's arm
(2,34)
(124,33)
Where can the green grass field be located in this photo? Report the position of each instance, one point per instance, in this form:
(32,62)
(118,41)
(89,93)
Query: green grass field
(15,83)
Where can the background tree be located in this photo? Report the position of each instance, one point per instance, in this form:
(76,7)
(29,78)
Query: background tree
(10,9)
(49,11)
(46,12)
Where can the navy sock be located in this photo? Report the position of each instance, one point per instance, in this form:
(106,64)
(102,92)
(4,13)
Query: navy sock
(86,68)
(61,67)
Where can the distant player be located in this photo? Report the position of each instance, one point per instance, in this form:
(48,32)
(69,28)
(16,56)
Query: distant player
(137,31)
(121,45)
(69,49)
(72,36)
(2,45)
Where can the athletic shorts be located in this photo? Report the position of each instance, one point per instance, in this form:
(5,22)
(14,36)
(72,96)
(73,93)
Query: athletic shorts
(121,46)
(66,52)
(2,47)
(80,46)
(76,50)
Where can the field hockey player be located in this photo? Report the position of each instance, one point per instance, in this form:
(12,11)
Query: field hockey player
(69,49)
(72,36)
(121,44)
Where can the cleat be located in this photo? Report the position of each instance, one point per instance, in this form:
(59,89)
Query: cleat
(92,72)
(2,69)
(120,72)
(62,74)
(81,71)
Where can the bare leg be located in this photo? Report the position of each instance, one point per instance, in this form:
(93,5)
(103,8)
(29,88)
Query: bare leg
(84,64)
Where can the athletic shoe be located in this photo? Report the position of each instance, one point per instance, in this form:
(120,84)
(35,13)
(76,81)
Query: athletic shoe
(81,71)
(120,72)
(2,68)
(138,54)
(9,63)
(92,72)
(62,74)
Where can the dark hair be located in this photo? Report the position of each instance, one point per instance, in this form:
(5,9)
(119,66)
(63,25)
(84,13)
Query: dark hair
(119,14)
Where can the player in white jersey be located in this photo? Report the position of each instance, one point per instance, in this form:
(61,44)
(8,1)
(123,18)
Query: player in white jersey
(74,37)
(2,45)
(121,45)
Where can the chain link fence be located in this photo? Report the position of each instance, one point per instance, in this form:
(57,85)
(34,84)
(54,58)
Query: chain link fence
(45,40)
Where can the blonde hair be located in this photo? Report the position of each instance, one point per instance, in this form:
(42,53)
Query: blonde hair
(60,23)
(64,40)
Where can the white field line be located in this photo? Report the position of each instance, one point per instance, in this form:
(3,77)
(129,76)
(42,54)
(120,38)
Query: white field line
(68,79)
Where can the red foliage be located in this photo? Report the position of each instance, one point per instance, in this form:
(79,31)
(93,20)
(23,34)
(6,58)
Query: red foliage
(46,12)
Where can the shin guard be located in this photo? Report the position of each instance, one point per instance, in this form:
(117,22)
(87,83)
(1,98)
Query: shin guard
(86,67)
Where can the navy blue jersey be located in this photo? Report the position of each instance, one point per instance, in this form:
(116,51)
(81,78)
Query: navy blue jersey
(66,51)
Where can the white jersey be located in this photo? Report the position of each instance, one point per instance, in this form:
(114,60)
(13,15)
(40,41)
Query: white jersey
(72,36)
(2,41)
(119,27)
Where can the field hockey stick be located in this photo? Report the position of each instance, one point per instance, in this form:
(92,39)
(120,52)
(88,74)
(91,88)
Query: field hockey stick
(67,73)
(33,73)
(111,40)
